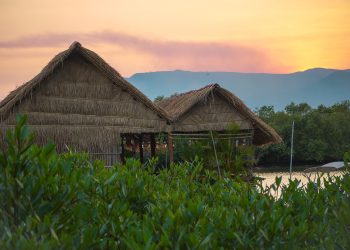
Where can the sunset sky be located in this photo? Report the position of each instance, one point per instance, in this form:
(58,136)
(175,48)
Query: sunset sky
(207,35)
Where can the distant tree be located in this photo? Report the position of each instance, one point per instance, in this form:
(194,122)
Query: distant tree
(301,109)
(323,109)
(320,134)
(343,106)
(175,94)
(159,98)
(266,113)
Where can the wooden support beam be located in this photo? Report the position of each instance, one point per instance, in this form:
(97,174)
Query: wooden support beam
(133,146)
(153,146)
(171,148)
(122,155)
(140,147)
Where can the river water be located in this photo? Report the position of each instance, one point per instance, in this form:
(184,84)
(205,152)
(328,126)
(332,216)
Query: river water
(269,175)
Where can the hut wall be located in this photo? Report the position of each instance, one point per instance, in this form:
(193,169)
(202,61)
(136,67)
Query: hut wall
(80,107)
(213,114)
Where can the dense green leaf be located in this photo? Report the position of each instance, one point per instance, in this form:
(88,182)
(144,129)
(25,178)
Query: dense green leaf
(51,201)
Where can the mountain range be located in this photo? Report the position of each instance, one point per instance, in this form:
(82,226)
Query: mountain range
(314,86)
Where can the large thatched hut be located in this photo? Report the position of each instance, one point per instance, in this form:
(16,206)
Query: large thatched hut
(213,108)
(79,101)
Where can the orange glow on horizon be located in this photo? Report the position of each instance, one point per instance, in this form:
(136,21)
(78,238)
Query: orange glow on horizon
(138,36)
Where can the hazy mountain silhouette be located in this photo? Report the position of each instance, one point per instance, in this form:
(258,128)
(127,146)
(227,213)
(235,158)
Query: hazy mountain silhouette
(314,86)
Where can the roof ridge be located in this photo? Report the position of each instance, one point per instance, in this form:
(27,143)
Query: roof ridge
(75,44)
(197,90)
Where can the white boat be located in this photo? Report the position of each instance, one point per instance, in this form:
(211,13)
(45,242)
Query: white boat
(332,166)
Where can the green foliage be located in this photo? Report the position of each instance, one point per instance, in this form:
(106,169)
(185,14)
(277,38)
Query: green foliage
(51,201)
(159,98)
(231,158)
(321,134)
(346,159)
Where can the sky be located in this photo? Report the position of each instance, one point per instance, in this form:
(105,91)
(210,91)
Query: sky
(200,35)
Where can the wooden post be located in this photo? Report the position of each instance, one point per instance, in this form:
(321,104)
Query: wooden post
(140,147)
(153,146)
(122,155)
(133,145)
(171,148)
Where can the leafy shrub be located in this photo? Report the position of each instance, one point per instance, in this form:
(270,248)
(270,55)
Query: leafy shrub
(226,155)
(61,201)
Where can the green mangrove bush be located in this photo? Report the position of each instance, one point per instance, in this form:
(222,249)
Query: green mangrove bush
(216,152)
(51,201)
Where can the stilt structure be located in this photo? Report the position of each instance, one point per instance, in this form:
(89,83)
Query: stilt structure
(122,155)
(171,148)
(141,147)
(153,146)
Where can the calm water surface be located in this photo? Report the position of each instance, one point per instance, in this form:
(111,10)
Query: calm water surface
(269,174)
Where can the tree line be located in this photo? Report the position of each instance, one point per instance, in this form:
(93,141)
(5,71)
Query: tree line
(321,134)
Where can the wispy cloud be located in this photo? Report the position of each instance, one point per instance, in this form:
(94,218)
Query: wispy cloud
(224,56)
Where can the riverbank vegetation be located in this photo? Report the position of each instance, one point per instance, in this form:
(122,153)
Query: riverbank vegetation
(321,134)
(51,201)
(218,154)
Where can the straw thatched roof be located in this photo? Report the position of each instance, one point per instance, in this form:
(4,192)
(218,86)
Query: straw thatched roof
(21,92)
(181,105)
(80,101)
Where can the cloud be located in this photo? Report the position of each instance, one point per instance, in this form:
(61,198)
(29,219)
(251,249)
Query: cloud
(202,56)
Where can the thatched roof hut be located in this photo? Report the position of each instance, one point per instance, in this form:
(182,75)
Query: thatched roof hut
(80,101)
(213,108)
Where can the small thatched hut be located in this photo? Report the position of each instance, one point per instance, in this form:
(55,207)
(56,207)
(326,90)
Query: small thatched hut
(213,108)
(79,101)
